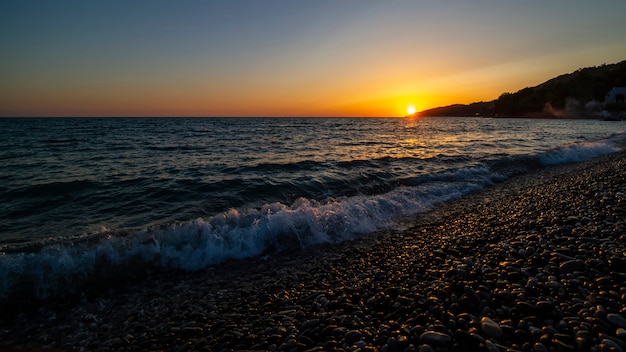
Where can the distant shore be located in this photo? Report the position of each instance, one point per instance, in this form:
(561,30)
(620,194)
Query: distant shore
(537,262)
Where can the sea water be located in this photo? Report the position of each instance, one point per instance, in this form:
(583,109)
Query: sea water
(187,193)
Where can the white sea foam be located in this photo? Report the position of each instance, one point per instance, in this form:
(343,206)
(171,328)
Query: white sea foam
(234,234)
(578,152)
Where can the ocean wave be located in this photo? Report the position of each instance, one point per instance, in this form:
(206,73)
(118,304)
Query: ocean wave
(61,267)
(581,151)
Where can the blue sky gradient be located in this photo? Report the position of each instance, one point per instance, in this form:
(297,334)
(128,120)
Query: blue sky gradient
(287,58)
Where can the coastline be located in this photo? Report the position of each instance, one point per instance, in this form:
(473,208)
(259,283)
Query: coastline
(534,262)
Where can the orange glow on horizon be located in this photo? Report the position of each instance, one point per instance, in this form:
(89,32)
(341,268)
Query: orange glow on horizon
(146,103)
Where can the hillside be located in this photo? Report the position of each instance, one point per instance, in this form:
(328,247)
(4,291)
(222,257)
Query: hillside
(577,94)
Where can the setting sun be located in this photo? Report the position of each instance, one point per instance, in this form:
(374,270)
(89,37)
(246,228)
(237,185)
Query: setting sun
(410,110)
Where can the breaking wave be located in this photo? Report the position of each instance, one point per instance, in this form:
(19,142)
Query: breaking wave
(63,266)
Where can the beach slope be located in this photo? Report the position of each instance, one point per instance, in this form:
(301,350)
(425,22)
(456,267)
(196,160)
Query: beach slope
(534,263)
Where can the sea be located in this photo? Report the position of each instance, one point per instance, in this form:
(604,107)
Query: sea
(83,195)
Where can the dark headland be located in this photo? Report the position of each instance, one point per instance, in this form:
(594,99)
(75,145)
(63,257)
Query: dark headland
(592,92)
(536,263)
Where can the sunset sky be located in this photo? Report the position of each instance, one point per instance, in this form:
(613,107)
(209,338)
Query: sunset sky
(290,58)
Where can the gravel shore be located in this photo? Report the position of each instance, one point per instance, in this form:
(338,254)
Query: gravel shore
(537,263)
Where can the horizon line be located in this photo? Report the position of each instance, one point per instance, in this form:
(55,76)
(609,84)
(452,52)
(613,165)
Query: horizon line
(201,117)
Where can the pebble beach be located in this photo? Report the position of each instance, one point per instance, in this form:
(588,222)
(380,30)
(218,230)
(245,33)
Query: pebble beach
(536,263)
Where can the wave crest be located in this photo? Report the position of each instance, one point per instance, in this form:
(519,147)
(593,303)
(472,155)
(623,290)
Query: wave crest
(63,267)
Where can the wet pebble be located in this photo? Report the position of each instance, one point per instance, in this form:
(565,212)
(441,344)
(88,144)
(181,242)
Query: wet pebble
(612,345)
(540,347)
(617,320)
(490,327)
(352,337)
(571,266)
(436,338)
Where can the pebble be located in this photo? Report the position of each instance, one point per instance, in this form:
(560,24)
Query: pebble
(614,340)
(490,327)
(189,331)
(426,348)
(436,338)
(544,306)
(352,337)
(612,345)
(491,347)
(539,347)
(617,264)
(571,266)
(617,320)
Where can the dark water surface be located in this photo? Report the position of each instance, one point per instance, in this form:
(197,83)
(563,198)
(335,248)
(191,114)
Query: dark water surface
(186,193)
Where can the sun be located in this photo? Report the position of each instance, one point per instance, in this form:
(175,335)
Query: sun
(410,110)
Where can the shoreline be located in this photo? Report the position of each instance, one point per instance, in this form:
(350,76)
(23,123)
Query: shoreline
(534,262)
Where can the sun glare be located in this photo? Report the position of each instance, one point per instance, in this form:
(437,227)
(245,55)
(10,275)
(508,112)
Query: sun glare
(410,110)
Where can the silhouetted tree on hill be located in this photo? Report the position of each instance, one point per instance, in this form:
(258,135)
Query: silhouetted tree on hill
(566,95)
(577,88)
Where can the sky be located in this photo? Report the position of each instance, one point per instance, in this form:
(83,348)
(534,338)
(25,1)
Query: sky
(290,58)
